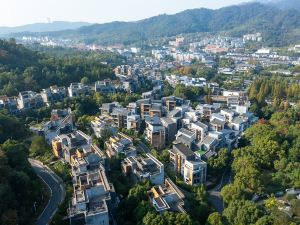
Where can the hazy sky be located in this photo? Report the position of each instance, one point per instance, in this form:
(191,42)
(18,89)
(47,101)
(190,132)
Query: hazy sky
(19,12)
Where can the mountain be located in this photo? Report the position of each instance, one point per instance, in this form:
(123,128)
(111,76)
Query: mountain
(43,27)
(279,27)
(283,4)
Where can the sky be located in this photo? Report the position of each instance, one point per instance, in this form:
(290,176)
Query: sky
(20,12)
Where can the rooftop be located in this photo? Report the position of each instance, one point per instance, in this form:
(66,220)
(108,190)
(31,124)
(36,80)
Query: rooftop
(183,150)
(202,125)
(167,120)
(186,132)
(238,120)
(217,122)
(208,140)
(153,120)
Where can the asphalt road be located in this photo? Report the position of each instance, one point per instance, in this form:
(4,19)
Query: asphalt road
(143,147)
(215,194)
(56,188)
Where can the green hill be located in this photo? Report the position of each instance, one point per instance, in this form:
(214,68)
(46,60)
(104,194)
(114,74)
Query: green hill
(279,27)
(23,69)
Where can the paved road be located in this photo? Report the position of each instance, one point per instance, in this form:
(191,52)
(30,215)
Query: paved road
(215,194)
(56,188)
(143,147)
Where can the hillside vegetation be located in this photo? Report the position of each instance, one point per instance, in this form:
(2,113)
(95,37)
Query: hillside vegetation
(23,69)
(279,27)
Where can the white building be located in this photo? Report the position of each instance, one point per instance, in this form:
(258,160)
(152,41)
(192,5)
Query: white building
(144,168)
(76,89)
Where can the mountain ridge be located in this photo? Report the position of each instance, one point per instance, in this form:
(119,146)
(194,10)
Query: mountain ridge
(43,27)
(279,27)
(283,4)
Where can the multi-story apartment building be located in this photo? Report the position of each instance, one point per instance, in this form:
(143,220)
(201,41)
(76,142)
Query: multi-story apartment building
(66,145)
(145,108)
(133,122)
(120,144)
(216,124)
(186,163)
(103,123)
(107,108)
(195,172)
(200,130)
(119,116)
(47,96)
(83,161)
(171,102)
(229,114)
(140,168)
(206,110)
(132,108)
(155,110)
(92,198)
(167,197)
(61,122)
(53,94)
(76,89)
(29,100)
(58,93)
(170,125)
(186,137)
(93,195)
(9,103)
(104,87)
(155,132)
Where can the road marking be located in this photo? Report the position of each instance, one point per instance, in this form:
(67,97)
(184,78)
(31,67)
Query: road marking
(44,169)
(49,198)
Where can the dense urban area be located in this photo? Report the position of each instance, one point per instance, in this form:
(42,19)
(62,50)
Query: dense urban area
(188,129)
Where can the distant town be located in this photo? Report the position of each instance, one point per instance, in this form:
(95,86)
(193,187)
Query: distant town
(190,133)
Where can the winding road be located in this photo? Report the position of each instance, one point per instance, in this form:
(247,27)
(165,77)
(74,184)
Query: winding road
(56,188)
(215,194)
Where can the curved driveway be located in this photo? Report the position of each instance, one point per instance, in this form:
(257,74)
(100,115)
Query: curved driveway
(56,188)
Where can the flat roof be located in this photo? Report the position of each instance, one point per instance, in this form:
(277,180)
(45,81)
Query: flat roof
(181,148)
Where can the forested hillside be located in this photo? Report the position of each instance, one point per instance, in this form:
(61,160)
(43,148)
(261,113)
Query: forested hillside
(275,89)
(20,188)
(279,27)
(283,4)
(23,69)
(272,155)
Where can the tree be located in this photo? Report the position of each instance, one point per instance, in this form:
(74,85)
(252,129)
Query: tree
(84,80)
(24,69)
(269,162)
(218,163)
(215,219)
(265,220)
(200,193)
(19,186)
(84,122)
(168,89)
(17,154)
(167,218)
(10,127)
(232,192)
(180,91)
(248,177)
(243,212)
(197,204)
(38,146)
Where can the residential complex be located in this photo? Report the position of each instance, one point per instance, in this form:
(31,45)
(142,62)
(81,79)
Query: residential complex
(167,197)
(140,168)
